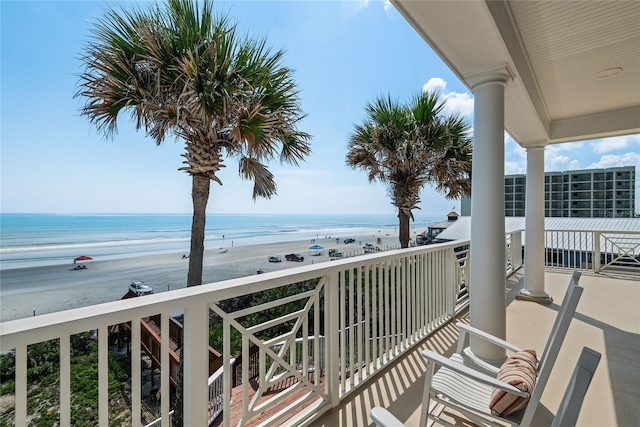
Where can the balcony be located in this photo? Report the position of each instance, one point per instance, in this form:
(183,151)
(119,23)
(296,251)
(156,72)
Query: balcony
(337,338)
(612,399)
(623,185)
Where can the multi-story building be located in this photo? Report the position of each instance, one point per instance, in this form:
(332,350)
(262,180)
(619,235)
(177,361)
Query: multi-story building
(594,193)
(589,193)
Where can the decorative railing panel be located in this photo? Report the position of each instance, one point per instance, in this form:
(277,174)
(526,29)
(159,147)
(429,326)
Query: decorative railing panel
(618,250)
(593,250)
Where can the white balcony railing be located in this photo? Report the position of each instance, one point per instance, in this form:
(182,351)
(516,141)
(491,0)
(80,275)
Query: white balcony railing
(320,332)
(593,250)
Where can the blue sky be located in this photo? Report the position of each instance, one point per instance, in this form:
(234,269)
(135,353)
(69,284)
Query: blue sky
(344,55)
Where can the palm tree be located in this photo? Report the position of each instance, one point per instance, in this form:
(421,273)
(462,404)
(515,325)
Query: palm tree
(408,146)
(182,70)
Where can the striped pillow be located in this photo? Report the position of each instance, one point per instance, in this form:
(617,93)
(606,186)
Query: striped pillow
(519,370)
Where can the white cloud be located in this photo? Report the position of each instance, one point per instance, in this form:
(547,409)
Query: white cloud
(554,162)
(613,160)
(556,158)
(435,83)
(387,5)
(513,168)
(574,164)
(567,146)
(460,102)
(616,143)
(455,101)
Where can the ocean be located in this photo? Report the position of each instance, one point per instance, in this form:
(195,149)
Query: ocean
(30,240)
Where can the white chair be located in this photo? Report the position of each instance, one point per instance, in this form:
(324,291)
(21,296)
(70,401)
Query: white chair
(570,405)
(569,409)
(465,383)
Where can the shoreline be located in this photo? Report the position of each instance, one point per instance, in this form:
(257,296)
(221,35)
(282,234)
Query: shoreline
(48,289)
(11,259)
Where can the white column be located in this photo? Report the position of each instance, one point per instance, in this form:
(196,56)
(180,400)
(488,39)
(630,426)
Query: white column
(534,229)
(487,279)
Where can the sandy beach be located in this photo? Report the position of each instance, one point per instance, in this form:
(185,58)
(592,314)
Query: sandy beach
(42,290)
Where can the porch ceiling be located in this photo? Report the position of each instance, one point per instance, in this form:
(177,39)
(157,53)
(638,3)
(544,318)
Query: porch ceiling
(555,50)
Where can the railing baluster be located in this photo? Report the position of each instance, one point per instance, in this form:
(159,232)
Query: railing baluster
(317,363)
(226,373)
(65,380)
(436,288)
(400,296)
(381,313)
(245,377)
(136,373)
(332,327)
(367,321)
(386,285)
(343,331)
(415,301)
(103,376)
(422,297)
(305,346)
(352,329)
(375,322)
(596,252)
(262,368)
(293,350)
(450,283)
(21,386)
(165,367)
(405,302)
(395,313)
(443,284)
(359,329)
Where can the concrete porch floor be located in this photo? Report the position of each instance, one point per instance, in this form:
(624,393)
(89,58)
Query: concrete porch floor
(607,320)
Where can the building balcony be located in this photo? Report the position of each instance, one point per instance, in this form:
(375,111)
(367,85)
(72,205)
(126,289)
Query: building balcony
(322,344)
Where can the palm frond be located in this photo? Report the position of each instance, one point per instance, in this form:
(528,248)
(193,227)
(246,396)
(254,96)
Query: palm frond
(410,145)
(183,70)
(264,183)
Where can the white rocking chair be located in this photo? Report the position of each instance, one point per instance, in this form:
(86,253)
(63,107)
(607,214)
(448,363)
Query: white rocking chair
(465,383)
(570,405)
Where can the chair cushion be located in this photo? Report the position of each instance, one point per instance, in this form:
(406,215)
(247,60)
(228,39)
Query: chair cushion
(520,371)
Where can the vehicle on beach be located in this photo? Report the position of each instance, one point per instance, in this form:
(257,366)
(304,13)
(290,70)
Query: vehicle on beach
(140,288)
(275,258)
(349,240)
(294,257)
(334,254)
(368,248)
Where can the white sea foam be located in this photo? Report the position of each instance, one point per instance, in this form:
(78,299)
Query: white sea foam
(35,240)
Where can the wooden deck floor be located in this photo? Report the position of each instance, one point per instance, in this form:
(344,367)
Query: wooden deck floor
(287,404)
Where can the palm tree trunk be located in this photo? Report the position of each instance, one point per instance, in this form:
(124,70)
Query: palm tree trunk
(404,229)
(200,197)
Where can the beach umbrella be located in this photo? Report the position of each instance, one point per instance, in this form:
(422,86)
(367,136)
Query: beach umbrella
(316,248)
(83,258)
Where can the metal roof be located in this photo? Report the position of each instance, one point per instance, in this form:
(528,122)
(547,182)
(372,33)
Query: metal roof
(441,224)
(461,229)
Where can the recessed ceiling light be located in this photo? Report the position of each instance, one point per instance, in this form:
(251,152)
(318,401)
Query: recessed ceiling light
(608,72)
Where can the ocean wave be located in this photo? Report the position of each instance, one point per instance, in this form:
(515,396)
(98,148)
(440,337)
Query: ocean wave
(86,245)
